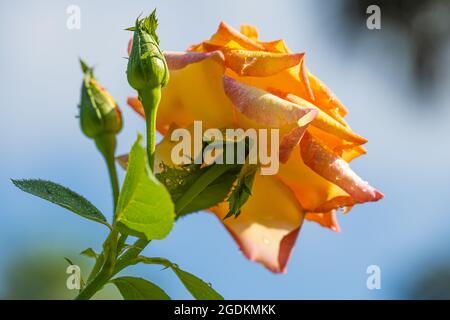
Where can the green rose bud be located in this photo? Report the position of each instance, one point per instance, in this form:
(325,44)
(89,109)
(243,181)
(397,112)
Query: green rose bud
(147,72)
(99,113)
(147,67)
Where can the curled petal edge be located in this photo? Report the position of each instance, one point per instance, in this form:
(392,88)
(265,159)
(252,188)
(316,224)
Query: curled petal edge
(336,170)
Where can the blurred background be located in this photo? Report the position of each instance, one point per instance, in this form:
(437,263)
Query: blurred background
(395,82)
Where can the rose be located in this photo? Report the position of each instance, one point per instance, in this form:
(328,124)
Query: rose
(233,80)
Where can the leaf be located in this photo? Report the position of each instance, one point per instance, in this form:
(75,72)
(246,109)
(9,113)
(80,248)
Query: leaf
(241,191)
(63,197)
(89,252)
(85,68)
(145,208)
(150,24)
(183,180)
(133,288)
(179,180)
(199,289)
(69,261)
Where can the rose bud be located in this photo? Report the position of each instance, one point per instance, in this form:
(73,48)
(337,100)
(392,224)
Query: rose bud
(99,113)
(147,66)
(147,72)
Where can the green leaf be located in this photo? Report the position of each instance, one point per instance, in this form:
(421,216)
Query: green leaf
(241,191)
(179,180)
(85,68)
(145,208)
(61,196)
(69,261)
(199,289)
(150,24)
(185,180)
(133,288)
(89,252)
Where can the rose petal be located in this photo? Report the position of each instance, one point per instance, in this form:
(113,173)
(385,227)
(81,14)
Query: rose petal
(324,97)
(304,81)
(324,121)
(336,170)
(179,60)
(287,80)
(326,220)
(225,33)
(195,92)
(266,230)
(209,46)
(266,108)
(289,142)
(310,189)
(249,31)
(338,202)
(122,160)
(136,105)
(260,63)
(276,46)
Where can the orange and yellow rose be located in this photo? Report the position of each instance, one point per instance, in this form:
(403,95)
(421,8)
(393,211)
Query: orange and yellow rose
(234,80)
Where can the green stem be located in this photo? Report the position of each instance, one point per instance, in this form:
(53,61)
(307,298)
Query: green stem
(150,99)
(121,242)
(104,266)
(95,285)
(106,144)
(131,254)
(114,181)
(107,270)
(97,267)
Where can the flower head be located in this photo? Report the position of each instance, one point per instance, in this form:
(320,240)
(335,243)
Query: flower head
(234,80)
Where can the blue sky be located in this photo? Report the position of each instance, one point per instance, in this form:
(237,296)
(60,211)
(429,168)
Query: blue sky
(408,155)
